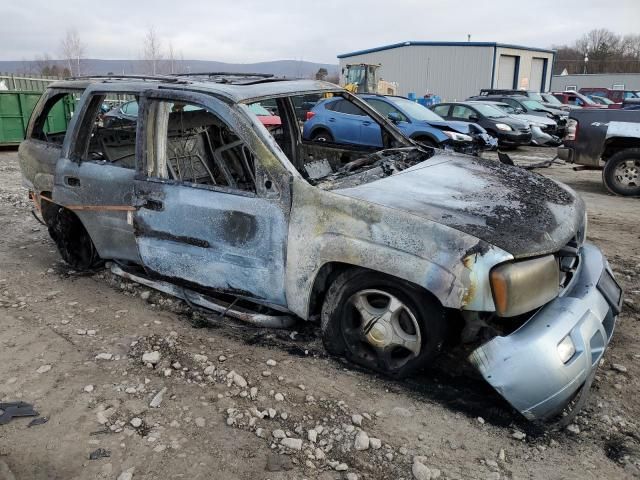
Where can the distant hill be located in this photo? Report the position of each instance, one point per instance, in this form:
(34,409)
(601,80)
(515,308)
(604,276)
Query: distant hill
(280,68)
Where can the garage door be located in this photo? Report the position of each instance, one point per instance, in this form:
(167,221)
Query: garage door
(506,71)
(537,69)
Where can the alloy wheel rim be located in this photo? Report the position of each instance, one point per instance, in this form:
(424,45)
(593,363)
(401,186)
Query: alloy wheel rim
(381,330)
(627,173)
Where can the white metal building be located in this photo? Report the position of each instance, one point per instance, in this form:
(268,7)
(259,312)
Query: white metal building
(457,70)
(614,81)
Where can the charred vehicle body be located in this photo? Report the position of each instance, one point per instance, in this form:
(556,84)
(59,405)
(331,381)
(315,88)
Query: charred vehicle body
(386,247)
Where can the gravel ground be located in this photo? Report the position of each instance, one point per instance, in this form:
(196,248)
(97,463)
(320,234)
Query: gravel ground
(134,384)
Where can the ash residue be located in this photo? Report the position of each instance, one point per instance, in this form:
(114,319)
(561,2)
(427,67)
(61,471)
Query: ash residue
(516,206)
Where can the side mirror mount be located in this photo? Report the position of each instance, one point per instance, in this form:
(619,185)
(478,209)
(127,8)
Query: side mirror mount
(394,117)
(473,118)
(519,110)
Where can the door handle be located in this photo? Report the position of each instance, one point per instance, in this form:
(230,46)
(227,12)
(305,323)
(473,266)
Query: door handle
(72,181)
(366,123)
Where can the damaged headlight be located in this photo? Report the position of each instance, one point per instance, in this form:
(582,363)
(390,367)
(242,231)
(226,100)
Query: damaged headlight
(519,287)
(458,137)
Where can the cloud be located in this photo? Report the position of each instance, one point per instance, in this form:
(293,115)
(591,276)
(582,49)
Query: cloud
(258,30)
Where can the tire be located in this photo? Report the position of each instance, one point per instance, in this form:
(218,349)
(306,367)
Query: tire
(322,136)
(420,321)
(621,173)
(72,239)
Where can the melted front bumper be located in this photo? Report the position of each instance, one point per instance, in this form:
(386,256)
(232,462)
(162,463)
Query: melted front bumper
(525,367)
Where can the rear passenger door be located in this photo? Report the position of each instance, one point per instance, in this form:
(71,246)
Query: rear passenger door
(344,121)
(94,178)
(210,212)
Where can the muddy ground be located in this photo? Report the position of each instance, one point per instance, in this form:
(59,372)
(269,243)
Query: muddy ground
(72,346)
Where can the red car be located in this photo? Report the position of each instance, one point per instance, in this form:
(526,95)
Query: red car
(265,116)
(617,96)
(577,99)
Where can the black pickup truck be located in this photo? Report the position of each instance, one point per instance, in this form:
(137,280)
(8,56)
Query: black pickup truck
(608,140)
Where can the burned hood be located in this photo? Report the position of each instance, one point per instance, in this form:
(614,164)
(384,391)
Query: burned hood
(516,210)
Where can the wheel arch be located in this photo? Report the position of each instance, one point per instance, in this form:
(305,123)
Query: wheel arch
(320,128)
(420,135)
(615,145)
(327,274)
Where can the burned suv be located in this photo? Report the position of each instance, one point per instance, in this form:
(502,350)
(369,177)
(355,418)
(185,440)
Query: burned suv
(390,249)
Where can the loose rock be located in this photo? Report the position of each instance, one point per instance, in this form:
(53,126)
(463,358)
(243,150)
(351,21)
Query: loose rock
(292,443)
(127,474)
(356,419)
(362,441)
(619,368)
(136,422)
(151,357)
(375,443)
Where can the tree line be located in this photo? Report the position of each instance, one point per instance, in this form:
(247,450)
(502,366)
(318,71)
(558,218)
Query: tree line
(158,55)
(599,51)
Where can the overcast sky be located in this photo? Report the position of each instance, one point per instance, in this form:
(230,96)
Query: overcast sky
(246,31)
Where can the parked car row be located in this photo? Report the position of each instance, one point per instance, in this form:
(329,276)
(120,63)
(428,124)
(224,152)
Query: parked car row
(336,120)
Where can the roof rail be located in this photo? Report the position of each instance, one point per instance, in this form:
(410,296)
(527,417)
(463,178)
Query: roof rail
(238,78)
(225,74)
(159,78)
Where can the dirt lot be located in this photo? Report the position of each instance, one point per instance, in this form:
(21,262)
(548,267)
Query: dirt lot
(72,346)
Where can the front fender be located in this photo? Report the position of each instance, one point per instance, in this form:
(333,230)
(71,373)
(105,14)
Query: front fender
(327,227)
(435,136)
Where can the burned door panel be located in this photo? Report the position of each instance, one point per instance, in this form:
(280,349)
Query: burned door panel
(101,195)
(228,242)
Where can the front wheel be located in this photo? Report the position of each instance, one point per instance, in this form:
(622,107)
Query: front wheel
(382,323)
(621,173)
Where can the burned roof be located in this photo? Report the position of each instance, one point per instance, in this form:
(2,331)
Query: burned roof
(234,91)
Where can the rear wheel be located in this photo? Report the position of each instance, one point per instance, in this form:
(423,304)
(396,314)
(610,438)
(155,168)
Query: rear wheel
(381,323)
(322,136)
(71,238)
(621,173)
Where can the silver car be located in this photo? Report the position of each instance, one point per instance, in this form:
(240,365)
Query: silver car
(387,248)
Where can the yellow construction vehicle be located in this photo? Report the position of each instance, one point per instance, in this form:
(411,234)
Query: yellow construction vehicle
(363,78)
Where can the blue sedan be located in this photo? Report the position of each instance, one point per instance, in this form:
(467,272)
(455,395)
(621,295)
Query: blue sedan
(336,120)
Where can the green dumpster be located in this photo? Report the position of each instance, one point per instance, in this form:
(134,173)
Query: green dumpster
(16,108)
